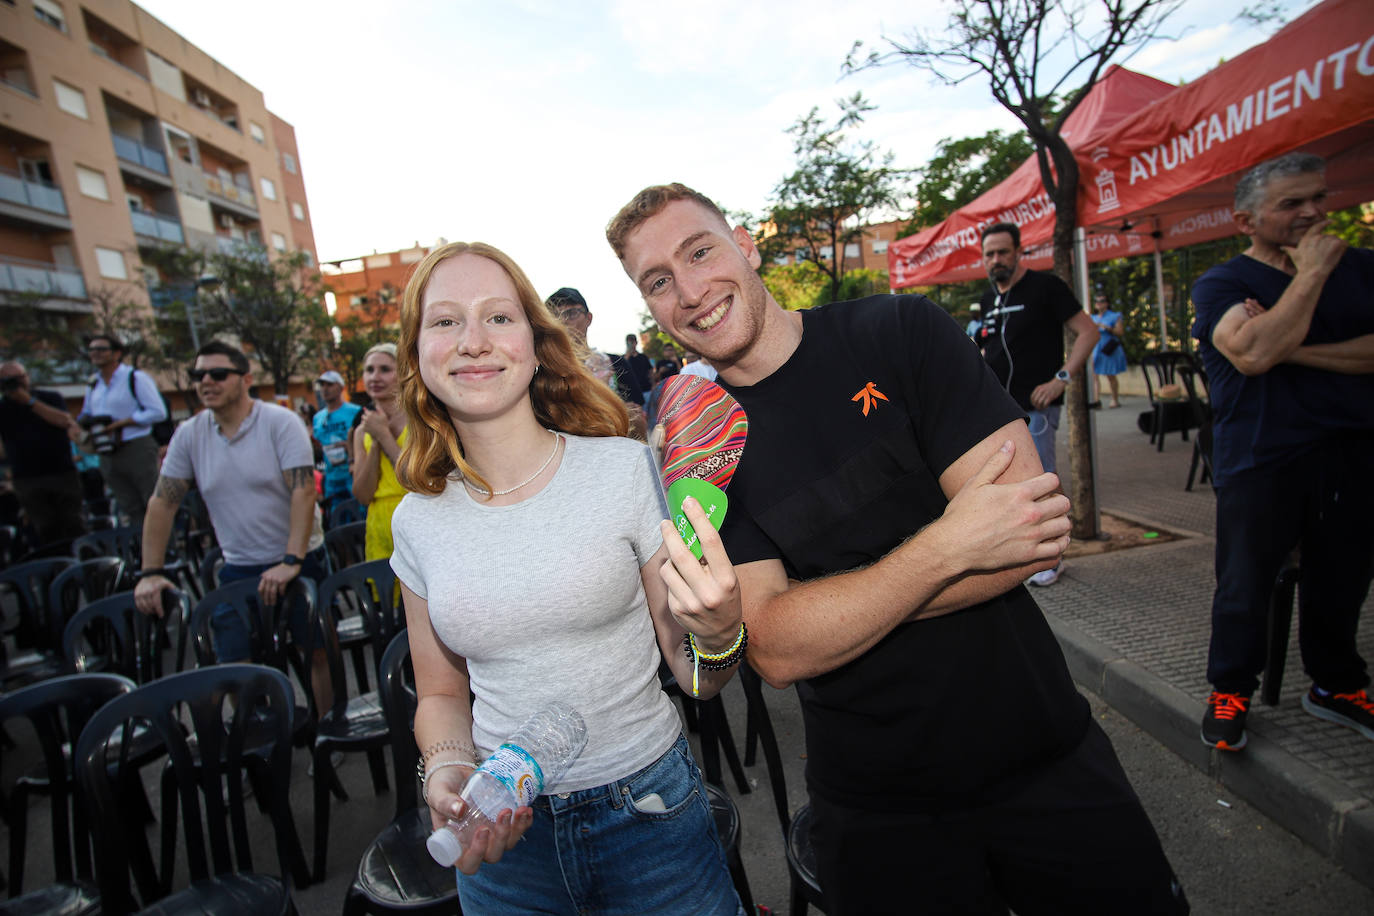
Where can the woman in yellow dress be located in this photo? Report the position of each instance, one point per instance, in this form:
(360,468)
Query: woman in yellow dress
(377,443)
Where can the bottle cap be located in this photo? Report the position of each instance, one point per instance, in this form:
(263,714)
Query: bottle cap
(444,847)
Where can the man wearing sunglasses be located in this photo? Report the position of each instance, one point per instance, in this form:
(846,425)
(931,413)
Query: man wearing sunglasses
(121,406)
(254,467)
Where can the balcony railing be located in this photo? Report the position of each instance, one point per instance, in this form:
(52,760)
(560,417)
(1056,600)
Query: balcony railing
(17,86)
(97,49)
(130,150)
(23,276)
(156,226)
(40,195)
(230,191)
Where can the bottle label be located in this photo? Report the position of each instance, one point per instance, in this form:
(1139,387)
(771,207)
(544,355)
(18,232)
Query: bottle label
(513,766)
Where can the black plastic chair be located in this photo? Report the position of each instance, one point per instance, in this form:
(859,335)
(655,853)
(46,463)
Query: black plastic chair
(214,834)
(365,605)
(395,873)
(56,709)
(349,725)
(805,887)
(713,732)
(111,635)
(1161,369)
(346,545)
(1278,625)
(32,629)
(1199,405)
(77,586)
(125,542)
(346,512)
(210,564)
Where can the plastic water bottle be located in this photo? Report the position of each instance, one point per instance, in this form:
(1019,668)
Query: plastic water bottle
(540,751)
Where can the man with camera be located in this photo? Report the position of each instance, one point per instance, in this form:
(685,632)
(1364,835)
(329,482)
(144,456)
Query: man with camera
(121,406)
(37,433)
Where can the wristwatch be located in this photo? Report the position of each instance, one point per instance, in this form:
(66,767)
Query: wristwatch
(1062,375)
(291,560)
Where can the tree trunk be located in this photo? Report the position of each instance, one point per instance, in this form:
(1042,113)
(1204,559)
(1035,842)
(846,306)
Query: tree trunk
(1081,493)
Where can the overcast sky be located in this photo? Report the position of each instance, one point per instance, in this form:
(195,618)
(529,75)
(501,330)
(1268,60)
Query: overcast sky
(527,124)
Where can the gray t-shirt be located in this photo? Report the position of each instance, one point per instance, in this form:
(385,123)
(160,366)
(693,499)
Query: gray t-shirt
(240,479)
(544,600)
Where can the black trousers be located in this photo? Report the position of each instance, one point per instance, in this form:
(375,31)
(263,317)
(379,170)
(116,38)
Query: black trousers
(1072,839)
(1323,502)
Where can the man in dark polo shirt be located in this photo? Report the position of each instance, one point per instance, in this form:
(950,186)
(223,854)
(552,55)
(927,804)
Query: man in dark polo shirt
(888,505)
(37,433)
(1286,331)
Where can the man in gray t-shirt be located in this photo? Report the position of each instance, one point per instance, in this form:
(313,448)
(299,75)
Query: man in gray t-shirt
(254,467)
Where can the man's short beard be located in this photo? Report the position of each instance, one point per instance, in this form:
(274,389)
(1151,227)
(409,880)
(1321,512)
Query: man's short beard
(1000,274)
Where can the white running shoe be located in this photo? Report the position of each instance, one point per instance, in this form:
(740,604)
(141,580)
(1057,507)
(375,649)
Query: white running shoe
(1047,576)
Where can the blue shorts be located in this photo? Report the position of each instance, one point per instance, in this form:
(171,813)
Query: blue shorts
(230,631)
(594,851)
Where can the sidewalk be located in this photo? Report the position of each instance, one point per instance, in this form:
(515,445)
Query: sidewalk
(1135,624)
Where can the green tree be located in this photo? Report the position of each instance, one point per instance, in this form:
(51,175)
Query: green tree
(52,342)
(796,286)
(274,306)
(838,184)
(962,170)
(1033,52)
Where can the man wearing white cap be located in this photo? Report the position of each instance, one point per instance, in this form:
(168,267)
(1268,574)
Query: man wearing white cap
(332,426)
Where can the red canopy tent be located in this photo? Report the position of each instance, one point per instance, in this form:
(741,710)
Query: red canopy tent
(1169,164)
(1309,87)
(950,252)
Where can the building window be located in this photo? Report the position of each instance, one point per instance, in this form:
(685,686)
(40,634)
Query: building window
(50,13)
(297,210)
(278,241)
(255,131)
(827,252)
(851,249)
(309,258)
(269,190)
(70,99)
(92,183)
(111,263)
(412,256)
(880,246)
(288,162)
(359,301)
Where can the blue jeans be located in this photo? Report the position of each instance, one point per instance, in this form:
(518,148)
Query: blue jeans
(594,851)
(1043,425)
(230,631)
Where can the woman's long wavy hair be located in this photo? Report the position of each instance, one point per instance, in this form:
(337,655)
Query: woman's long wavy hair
(564,394)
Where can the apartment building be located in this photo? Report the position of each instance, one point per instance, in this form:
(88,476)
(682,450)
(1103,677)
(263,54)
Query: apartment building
(869,252)
(117,134)
(355,284)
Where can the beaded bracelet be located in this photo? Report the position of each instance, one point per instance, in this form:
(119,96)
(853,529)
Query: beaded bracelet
(713,662)
(453,744)
(425,774)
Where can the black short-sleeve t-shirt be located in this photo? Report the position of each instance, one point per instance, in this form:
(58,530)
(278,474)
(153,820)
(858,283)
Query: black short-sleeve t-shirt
(1260,422)
(1023,337)
(33,446)
(847,441)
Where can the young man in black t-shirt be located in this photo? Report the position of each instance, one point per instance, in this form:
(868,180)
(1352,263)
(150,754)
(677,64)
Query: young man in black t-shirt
(887,507)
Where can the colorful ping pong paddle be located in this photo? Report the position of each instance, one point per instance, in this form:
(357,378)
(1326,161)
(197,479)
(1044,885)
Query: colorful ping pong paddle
(704,432)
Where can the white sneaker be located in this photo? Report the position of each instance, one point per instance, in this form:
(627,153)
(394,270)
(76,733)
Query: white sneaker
(1047,576)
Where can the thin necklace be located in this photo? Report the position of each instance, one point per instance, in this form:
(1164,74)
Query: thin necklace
(522,483)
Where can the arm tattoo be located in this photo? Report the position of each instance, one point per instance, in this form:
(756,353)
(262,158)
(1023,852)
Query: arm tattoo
(299,478)
(172,489)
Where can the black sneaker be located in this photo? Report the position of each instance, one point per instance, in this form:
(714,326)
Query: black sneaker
(1353,710)
(1223,725)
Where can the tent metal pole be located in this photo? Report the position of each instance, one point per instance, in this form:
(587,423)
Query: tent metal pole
(1159,291)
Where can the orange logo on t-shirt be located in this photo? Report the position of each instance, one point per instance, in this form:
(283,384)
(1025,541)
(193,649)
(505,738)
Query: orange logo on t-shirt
(869,393)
